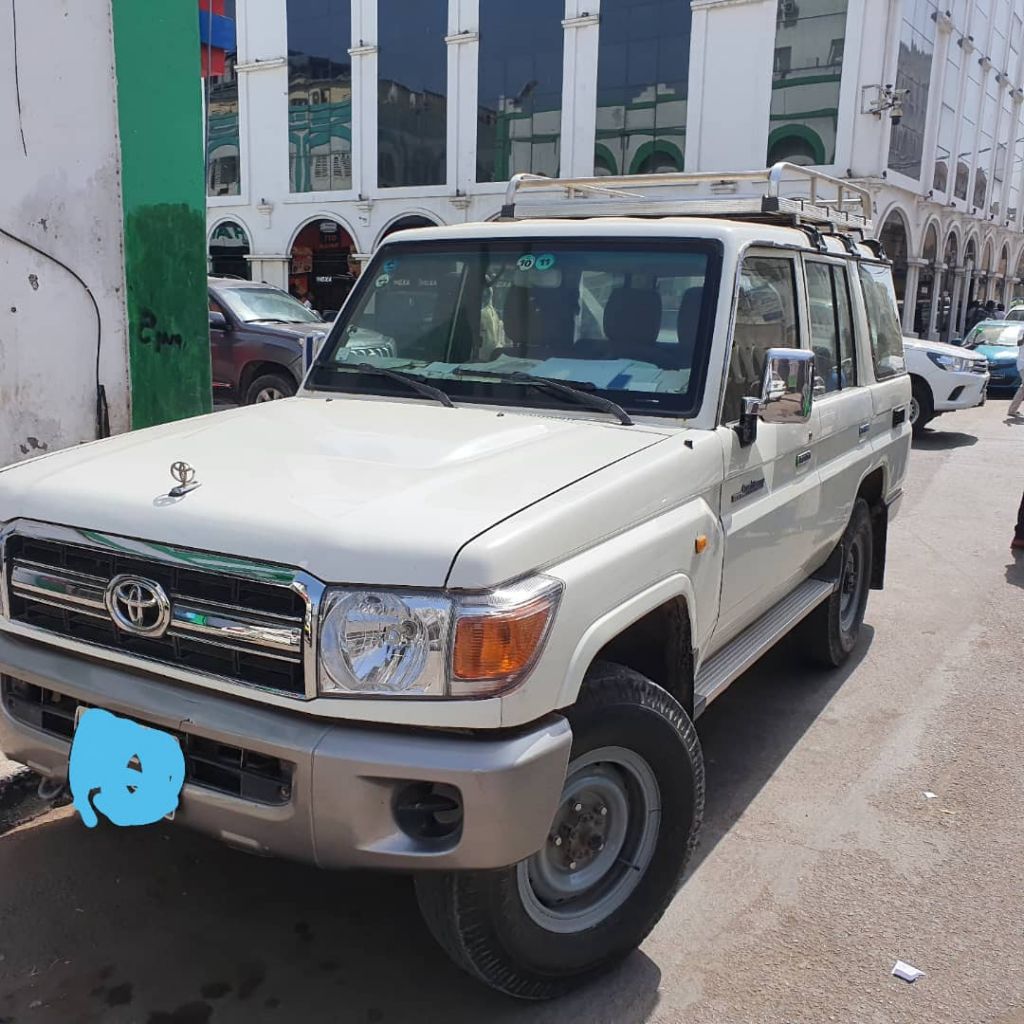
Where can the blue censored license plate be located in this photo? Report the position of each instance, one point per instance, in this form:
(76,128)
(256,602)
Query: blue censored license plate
(132,774)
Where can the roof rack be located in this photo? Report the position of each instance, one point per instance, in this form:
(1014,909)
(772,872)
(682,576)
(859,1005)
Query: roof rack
(784,193)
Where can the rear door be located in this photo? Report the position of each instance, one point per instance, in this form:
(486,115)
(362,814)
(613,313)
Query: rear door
(842,445)
(890,394)
(770,496)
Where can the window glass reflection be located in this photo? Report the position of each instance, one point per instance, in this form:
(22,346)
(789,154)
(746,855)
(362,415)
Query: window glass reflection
(319,95)
(412,111)
(520,104)
(913,73)
(642,67)
(223,169)
(810,37)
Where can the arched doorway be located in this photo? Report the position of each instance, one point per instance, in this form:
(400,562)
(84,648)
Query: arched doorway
(229,245)
(950,255)
(406,224)
(320,265)
(894,239)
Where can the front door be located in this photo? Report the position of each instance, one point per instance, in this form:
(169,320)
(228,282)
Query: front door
(771,495)
(220,350)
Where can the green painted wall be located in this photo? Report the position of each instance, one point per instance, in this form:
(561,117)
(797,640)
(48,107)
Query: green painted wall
(156,47)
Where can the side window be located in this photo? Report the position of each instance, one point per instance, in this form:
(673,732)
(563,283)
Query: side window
(883,323)
(828,297)
(765,318)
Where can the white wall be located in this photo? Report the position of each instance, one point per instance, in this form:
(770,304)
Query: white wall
(60,192)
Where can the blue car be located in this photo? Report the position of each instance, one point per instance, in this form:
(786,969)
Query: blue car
(998,341)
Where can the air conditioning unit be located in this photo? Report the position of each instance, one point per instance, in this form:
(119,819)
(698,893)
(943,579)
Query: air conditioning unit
(789,12)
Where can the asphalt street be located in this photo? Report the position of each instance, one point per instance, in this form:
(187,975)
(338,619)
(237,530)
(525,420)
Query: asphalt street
(822,861)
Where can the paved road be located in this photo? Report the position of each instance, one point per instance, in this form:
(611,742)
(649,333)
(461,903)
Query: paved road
(821,862)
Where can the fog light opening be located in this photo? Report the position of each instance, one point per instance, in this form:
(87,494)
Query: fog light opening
(429,811)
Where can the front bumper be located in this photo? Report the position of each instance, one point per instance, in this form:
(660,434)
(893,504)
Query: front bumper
(337,807)
(1003,376)
(959,391)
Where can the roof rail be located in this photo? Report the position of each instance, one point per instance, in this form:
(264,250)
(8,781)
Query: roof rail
(784,193)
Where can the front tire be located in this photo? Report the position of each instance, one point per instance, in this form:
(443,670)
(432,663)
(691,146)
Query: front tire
(269,387)
(832,630)
(922,408)
(627,823)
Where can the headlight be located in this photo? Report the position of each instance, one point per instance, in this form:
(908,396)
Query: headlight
(395,644)
(952,363)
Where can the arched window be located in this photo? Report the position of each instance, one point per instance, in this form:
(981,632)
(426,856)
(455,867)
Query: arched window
(229,245)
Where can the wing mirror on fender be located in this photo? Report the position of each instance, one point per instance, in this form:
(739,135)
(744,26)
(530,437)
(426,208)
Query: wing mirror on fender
(787,392)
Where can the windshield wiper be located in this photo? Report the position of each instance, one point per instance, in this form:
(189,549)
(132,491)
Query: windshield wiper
(412,382)
(271,320)
(578,391)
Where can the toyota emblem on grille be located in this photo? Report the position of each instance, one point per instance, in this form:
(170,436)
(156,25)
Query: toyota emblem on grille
(138,605)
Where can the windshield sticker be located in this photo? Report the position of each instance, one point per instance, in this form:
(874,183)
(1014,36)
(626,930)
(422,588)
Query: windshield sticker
(390,266)
(382,280)
(545,261)
(526,262)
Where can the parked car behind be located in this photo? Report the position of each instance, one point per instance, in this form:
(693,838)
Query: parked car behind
(998,341)
(257,334)
(944,378)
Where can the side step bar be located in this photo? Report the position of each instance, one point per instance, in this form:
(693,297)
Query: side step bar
(738,655)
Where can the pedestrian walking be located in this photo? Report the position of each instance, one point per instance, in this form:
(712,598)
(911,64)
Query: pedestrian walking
(1015,402)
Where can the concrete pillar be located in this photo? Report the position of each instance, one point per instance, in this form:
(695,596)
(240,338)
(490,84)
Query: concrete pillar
(966,278)
(938,282)
(914,266)
(952,325)
(270,269)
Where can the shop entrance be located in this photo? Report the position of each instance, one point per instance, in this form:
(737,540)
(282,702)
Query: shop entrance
(320,266)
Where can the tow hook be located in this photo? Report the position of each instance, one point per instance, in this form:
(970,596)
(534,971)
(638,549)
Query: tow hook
(51,789)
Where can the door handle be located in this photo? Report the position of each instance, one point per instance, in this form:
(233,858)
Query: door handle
(863,429)
(803,458)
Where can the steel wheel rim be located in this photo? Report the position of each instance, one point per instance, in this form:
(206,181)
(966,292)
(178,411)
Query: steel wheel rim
(269,394)
(915,410)
(851,584)
(611,851)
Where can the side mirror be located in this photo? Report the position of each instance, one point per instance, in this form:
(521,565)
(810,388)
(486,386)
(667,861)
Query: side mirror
(218,321)
(787,392)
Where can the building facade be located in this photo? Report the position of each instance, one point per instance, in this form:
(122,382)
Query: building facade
(335,122)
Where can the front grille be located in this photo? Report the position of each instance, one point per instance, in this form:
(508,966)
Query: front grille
(211,765)
(247,630)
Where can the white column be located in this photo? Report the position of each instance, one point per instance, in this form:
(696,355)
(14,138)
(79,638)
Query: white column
(364,96)
(270,269)
(938,284)
(463,41)
(910,293)
(579,87)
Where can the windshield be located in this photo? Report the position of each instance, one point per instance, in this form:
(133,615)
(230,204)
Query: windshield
(995,334)
(627,319)
(253,304)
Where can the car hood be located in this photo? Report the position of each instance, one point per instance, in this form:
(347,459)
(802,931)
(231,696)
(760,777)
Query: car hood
(352,490)
(938,347)
(997,353)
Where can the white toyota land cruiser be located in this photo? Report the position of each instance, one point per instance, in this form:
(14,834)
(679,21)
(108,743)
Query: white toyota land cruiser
(455,607)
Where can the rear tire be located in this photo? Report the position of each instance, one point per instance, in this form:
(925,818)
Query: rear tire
(541,927)
(922,408)
(830,633)
(269,387)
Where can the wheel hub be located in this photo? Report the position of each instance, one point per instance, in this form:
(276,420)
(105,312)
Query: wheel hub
(600,843)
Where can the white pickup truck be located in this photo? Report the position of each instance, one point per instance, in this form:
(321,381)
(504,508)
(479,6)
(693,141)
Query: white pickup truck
(455,609)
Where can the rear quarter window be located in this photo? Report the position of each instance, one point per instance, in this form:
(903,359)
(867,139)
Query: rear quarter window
(884,331)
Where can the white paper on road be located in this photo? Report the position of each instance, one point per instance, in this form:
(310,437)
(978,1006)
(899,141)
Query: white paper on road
(929,795)
(906,971)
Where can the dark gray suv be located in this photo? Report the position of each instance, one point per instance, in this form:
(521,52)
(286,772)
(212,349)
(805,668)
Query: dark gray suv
(257,336)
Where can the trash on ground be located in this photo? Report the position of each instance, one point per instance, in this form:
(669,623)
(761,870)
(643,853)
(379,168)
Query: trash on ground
(906,971)
(929,795)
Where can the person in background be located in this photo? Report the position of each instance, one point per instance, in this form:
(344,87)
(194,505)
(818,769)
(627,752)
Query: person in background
(1018,398)
(1000,311)
(1017,544)
(990,309)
